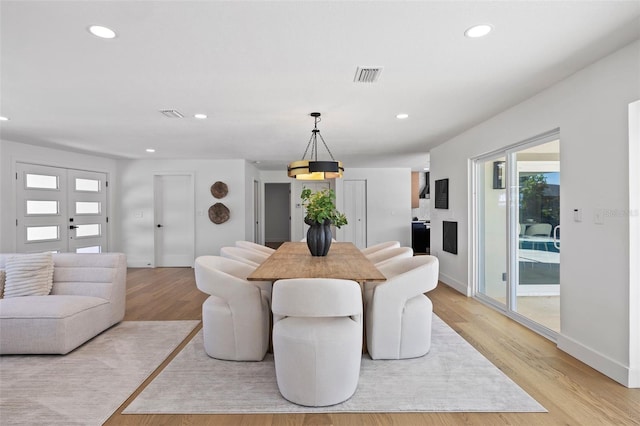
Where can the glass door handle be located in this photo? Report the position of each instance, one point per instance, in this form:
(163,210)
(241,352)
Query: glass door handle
(556,241)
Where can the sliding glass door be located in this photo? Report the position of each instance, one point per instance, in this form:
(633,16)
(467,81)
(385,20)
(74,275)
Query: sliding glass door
(517,232)
(492,220)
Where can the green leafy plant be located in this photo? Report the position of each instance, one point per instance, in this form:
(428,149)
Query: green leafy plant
(321,207)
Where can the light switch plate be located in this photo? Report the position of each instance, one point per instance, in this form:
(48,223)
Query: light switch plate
(598,217)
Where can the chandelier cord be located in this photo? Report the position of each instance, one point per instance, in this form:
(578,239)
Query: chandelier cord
(325,145)
(314,139)
(308,145)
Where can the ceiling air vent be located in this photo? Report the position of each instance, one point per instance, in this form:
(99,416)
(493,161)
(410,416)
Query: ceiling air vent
(171,113)
(367,74)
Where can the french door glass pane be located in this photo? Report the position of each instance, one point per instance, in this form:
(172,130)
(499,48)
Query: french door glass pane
(87,207)
(34,181)
(37,207)
(91,230)
(42,233)
(91,249)
(89,185)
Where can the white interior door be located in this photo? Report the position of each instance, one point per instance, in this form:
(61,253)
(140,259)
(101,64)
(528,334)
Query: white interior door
(174,220)
(355,208)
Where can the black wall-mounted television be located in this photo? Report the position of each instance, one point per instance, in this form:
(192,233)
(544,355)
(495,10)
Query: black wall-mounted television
(442,194)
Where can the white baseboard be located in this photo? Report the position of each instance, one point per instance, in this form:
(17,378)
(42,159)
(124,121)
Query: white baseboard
(455,284)
(598,361)
(133,262)
(634,378)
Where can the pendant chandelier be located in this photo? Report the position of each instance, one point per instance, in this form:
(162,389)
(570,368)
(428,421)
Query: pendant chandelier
(312,169)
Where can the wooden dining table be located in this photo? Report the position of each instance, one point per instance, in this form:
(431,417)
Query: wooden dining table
(293,260)
(344,261)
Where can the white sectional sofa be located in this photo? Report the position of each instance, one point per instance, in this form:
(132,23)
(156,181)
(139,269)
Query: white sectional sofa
(87,297)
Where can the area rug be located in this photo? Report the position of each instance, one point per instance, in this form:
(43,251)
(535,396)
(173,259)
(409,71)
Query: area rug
(452,377)
(87,385)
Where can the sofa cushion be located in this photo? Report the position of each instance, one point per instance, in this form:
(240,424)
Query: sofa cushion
(50,324)
(28,275)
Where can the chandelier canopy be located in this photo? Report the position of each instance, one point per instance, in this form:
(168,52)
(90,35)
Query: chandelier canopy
(312,169)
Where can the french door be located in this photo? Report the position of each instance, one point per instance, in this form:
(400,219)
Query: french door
(60,210)
(517,232)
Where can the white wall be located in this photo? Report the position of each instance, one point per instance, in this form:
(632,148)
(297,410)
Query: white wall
(591,110)
(12,153)
(388,202)
(136,196)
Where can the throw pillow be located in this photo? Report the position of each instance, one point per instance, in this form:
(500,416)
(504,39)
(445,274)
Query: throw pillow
(28,275)
(1,283)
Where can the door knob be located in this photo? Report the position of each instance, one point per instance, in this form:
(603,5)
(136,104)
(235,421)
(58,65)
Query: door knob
(73,227)
(159,226)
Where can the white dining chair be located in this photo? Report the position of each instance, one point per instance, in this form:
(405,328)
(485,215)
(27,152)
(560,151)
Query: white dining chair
(317,339)
(398,313)
(381,256)
(380,246)
(235,317)
(253,246)
(250,257)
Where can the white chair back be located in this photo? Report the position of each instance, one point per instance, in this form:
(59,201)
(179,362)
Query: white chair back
(250,257)
(381,256)
(253,246)
(380,246)
(316,297)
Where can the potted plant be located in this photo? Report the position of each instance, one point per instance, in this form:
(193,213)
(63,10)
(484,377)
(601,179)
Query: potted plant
(321,213)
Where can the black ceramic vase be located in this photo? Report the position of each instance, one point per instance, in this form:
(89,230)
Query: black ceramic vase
(318,237)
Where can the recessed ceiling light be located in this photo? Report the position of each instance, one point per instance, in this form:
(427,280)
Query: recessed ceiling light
(200,116)
(402,116)
(478,31)
(3,118)
(102,32)
(150,150)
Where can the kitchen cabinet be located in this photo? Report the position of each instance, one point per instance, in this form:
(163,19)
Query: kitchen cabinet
(415,190)
(421,237)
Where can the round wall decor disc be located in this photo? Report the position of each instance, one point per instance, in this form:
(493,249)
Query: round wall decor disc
(218,213)
(219,189)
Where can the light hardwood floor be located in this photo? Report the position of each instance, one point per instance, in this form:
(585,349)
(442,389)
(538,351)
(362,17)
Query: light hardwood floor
(572,392)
